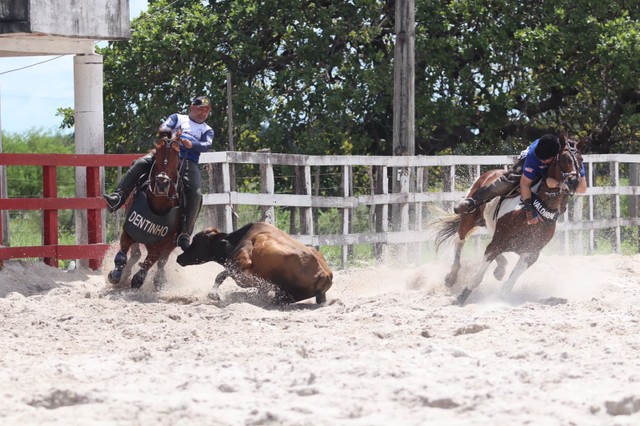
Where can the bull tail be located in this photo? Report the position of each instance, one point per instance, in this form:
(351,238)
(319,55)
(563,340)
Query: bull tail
(447,228)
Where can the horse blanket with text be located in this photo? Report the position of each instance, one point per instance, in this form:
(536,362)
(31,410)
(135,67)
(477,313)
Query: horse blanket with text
(146,227)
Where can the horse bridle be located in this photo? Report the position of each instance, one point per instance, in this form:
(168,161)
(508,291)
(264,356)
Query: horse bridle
(569,180)
(162,184)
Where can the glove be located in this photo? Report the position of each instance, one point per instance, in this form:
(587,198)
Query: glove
(530,213)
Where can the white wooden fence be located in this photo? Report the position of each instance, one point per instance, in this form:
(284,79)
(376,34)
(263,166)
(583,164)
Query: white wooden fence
(428,185)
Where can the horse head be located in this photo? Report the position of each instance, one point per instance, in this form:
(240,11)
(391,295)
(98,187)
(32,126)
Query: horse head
(164,175)
(567,166)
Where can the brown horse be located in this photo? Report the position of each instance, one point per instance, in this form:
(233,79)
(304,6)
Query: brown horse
(153,216)
(511,233)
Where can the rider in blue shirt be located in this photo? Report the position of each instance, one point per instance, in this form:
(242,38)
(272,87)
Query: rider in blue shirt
(531,166)
(196,137)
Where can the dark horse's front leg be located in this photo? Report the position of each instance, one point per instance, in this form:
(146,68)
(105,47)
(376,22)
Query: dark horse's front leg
(153,254)
(157,251)
(120,260)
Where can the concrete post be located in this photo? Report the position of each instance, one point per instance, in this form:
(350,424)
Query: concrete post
(89,126)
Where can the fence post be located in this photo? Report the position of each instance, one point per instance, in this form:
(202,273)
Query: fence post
(346,180)
(616,205)
(403,210)
(50,216)
(416,248)
(94,216)
(381,250)
(227,219)
(634,201)
(306,214)
(267,186)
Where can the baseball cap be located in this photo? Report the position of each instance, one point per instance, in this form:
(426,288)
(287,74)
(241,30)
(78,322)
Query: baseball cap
(201,100)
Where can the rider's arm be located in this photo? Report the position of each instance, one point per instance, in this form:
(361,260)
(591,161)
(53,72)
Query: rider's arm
(582,185)
(169,124)
(525,187)
(205,142)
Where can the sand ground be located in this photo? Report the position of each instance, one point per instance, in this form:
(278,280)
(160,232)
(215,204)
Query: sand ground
(387,349)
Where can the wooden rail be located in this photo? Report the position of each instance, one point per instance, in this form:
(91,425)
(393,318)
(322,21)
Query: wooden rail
(430,185)
(277,183)
(50,203)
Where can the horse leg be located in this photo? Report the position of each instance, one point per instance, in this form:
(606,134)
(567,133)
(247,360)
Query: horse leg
(149,261)
(524,262)
(134,256)
(467,223)
(120,260)
(160,279)
(213,293)
(475,281)
(452,276)
(498,273)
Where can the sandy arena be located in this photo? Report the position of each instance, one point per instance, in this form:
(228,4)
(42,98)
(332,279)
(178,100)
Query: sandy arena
(388,349)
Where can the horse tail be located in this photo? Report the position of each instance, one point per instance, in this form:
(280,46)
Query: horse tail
(448,227)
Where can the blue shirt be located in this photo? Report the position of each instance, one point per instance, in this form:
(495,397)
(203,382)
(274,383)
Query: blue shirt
(533,168)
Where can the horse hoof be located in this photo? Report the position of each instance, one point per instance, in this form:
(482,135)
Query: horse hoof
(213,295)
(114,276)
(138,279)
(462,298)
(449,281)
(159,282)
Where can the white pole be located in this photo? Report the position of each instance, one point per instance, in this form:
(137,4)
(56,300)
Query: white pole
(89,125)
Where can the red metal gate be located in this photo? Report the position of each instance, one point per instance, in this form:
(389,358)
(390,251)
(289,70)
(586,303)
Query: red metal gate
(50,251)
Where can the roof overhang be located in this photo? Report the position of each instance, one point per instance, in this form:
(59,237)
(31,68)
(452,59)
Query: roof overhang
(41,44)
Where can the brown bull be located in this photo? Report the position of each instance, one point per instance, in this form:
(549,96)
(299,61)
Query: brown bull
(260,252)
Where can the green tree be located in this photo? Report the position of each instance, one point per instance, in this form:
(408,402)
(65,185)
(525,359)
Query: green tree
(316,77)
(495,71)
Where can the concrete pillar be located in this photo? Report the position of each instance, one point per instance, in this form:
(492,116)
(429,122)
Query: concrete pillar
(89,120)
(89,125)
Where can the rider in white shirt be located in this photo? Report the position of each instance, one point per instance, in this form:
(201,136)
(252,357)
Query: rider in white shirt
(196,137)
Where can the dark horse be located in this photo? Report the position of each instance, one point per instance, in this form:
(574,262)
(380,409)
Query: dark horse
(511,233)
(153,215)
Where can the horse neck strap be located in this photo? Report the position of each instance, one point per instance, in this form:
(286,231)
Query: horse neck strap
(543,210)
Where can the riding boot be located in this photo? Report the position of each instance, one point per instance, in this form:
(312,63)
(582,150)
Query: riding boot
(116,199)
(192,210)
(193,204)
(501,186)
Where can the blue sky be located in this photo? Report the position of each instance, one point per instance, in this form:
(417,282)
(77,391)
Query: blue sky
(30,97)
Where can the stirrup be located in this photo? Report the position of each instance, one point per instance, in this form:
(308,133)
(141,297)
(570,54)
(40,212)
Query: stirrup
(114,201)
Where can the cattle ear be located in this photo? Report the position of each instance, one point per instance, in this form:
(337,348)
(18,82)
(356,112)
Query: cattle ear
(211,231)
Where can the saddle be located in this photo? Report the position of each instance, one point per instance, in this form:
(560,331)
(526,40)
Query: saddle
(500,206)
